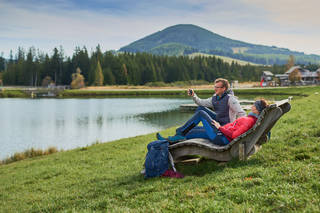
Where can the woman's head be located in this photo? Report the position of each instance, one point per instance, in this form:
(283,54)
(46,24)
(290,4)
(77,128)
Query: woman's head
(259,105)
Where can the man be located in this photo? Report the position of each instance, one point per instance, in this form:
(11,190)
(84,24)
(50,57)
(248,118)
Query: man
(225,105)
(226,109)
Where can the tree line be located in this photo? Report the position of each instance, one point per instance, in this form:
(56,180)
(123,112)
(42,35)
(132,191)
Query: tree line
(268,58)
(33,68)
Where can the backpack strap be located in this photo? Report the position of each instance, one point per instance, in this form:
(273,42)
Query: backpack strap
(171,161)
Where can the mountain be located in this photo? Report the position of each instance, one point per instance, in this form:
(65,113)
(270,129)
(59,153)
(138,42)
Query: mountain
(185,39)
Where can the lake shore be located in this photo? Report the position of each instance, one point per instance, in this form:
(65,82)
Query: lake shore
(176,92)
(249,88)
(282,177)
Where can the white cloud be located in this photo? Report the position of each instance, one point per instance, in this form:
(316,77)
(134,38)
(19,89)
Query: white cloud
(294,13)
(47,26)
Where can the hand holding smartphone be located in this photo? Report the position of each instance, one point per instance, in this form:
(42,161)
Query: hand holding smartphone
(190,92)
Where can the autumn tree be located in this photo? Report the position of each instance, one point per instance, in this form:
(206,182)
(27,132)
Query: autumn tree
(290,62)
(98,76)
(77,80)
(295,76)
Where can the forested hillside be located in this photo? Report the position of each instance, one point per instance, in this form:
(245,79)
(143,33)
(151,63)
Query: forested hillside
(32,68)
(184,39)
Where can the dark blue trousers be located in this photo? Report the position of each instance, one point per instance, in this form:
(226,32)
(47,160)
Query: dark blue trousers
(191,129)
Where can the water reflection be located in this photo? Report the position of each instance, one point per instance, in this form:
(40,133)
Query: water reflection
(82,121)
(60,123)
(165,119)
(99,121)
(70,123)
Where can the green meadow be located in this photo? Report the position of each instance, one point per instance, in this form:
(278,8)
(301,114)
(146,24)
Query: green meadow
(12,93)
(158,92)
(153,92)
(284,176)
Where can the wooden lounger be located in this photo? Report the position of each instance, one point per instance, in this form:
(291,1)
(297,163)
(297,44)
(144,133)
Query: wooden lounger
(241,147)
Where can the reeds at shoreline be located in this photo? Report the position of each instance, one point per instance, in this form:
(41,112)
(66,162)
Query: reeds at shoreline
(29,153)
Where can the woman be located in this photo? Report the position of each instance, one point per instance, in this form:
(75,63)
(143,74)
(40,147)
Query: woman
(212,130)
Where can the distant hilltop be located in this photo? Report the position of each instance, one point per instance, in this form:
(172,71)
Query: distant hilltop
(186,39)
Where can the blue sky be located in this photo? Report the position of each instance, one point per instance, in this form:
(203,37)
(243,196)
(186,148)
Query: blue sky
(46,24)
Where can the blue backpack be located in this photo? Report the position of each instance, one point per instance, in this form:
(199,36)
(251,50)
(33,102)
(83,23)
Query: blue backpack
(157,159)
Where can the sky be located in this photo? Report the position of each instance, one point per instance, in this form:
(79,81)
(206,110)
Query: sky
(112,24)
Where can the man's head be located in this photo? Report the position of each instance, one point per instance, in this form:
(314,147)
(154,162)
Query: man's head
(221,85)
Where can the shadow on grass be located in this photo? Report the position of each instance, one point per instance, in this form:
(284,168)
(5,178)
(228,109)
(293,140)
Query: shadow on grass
(200,169)
(211,166)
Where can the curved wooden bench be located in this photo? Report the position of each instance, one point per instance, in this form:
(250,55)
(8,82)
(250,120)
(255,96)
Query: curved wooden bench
(241,147)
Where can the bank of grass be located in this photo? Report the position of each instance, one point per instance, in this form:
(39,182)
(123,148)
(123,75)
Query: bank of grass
(29,153)
(290,91)
(12,93)
(173,90)
(116,93)
(293,91)
(189,83)
(282,177)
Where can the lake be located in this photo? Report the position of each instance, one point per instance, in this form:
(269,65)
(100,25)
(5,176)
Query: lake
(72,123)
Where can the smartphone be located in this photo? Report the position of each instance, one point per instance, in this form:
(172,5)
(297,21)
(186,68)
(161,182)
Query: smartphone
(190,92)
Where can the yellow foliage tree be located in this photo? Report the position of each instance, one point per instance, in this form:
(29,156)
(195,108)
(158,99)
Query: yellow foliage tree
(98,75)
(290,62)
(295,76)
(77,80)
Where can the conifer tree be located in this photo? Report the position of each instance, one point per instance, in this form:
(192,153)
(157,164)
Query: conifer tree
(98,76)
(55,65)
(108,77)
(1,84)
(2,63)
(123,75)
(81,59)
(30,67)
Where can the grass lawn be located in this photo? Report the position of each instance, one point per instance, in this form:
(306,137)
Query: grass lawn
(12,93)
(284,176)
(181,92)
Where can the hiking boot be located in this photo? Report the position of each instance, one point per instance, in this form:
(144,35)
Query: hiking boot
(171,139)
(159,137)
(176,138)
